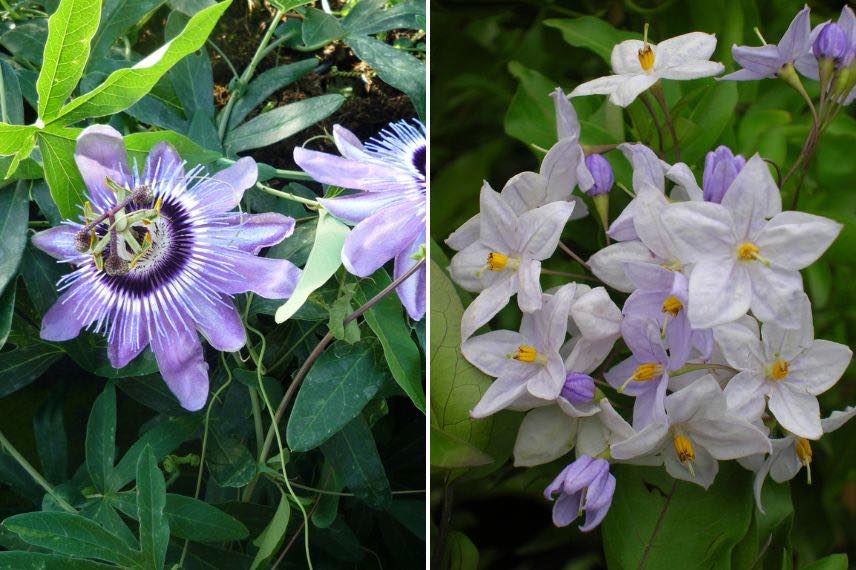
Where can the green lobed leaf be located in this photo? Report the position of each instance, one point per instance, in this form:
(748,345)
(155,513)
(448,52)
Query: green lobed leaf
(320,28)
(51,440)
(281,123)
(125,87)
(265,85)
(101,440)
(163,438)
(271,538)
(139,144)
(192,76)
(61,174)
(591,33)
(14,214)
(151,500)
(387,321)
(7,308)
(117,16)
(230,462)
(353,455)
(70,29)
(26,362)
(14,137)
(12,103)
(394,66)
(324,260)
(369,17)
(72,535)
(102,512)
(666,516)
(40,561)
(341,382)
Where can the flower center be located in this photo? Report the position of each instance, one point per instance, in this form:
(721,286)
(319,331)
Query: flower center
(528,354)
(685,452)
(646,58)
(748,251)
(646,371)
(672,305)
(779,370)
(499,262)
(803,448)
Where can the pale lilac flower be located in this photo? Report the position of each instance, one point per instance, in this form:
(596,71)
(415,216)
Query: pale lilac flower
(586,484)
(807,64)
(507,257)
(741,260)
(644,374)
(768,61)
(389,211)
(638,65)
(562,169)
(721,167)
(699,431)
(594,325)
(602,174)
(526,363)
(788,367)
(176,256)
(791,453)
(648,172)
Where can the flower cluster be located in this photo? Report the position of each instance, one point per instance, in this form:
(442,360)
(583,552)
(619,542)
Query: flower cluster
(721,360)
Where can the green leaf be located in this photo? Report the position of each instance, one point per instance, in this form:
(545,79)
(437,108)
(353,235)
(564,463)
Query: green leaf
(369,17)
(710,115)
(339,311)
(72,535)
(14,137)
(70,29)
(51,441)
(531,117)
(265,85)
(102,512)
(192,76)
(164,438)
(41,561)
(151,500)
(26,362)
(449,452)
(339,385)
(230,462)
(591,33)
(831,562)
(7,308)
(461,553)
(666,516)
(271,538)
(353,455)
(117,17)
(388,322)
(101,440)
(138,146)
(12,103)
(61,174)
(191,518)
(394,66)
(14,214)
(281,123)
(324,259)
(320,28)
(125,87)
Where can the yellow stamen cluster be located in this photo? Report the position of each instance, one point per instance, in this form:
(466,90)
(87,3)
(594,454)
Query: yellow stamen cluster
(747,251)
(672,305)
(525,353)
(646,58)
(646,371)
(779,370)
(496,261)
(684,448)
(803,448)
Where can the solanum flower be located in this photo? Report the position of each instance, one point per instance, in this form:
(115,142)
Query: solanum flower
(638,65)
(584,485)
(743,261)
(157,258)
(563,168)
(833,41)
(507,257)
(721,167)
(791,453)
(771,60)
(698,431)
(789,367)
(389,210)
(525,363)
(594,325)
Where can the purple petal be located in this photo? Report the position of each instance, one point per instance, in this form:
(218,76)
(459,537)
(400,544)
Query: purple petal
(381,237)
(219,323)
(354,209)
(224,190)
(181,363)
(127,340)
(63,320)
(596,513)
(743,75)
(567,124)
(58,242)
(348,143)
(412,291)
(100,154)
(162,159)
(796,40)
(566,509)
(763,60)
(265,276)
(338,171)
(252,232)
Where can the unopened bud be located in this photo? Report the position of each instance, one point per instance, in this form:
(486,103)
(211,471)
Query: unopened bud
(721,167)
(602,173)
(831,43)
(578,389)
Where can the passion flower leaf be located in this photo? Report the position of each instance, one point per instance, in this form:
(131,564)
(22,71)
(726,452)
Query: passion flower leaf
(353,455)
(151,500)
(101,440)
(265,85)
(394,66)
(14,214)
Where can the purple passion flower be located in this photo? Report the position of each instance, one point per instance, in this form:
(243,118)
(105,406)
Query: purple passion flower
(389,210)
(721,167)
(586,484)
(601,171)
(158,255)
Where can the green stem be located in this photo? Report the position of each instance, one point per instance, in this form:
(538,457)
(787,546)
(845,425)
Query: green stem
(245,77)
(701,366)
(568,275)
(657,89)
(7,446)
(647,102)
(289,196)
(278,42)
(257,418)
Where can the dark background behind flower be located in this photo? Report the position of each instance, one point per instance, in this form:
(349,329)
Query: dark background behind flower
(488,104)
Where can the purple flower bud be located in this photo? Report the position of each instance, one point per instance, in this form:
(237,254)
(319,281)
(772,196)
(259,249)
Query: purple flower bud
(721,167)
(601,171)
(585,484)
(578,388)
(831,43)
